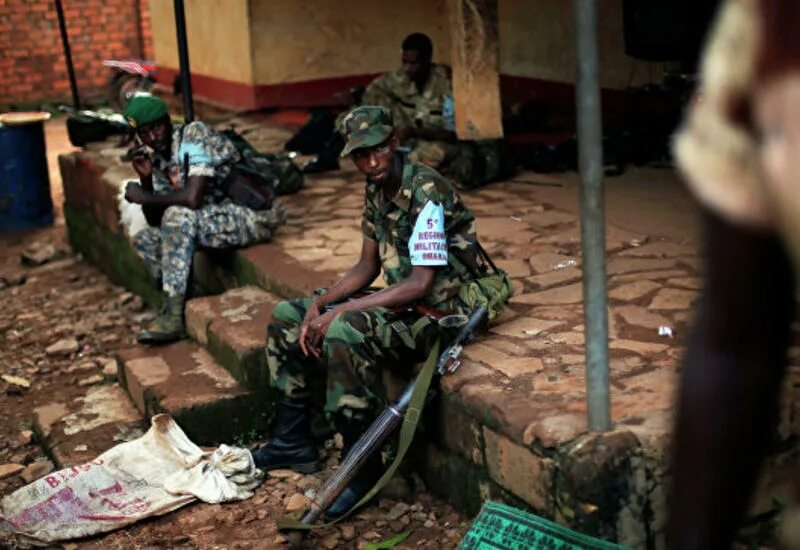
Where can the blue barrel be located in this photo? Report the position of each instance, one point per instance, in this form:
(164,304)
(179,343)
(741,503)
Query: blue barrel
(24,182)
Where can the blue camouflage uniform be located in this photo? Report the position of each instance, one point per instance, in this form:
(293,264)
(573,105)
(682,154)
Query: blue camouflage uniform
(218,223)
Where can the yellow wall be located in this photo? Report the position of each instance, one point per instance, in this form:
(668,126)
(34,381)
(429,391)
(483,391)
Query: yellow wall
(280,41)
(296,40)
(537,40)
(217,32)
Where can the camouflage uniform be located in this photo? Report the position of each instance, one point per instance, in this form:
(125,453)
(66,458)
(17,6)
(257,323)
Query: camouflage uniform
(395,91)
(359,343)
(218,223)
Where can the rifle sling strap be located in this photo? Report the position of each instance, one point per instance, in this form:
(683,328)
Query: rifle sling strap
(407,430)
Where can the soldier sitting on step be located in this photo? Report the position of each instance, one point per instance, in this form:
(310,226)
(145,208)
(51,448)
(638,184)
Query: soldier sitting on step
(418,231)
(185,189)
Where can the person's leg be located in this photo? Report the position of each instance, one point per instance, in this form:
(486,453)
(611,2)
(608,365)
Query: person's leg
(178,233)
(288,367)
(328,157)
(357,346)
(228,225)
(436,154)
(147,244)
(291,445)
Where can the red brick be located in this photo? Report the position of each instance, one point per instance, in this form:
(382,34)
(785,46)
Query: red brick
(99,29)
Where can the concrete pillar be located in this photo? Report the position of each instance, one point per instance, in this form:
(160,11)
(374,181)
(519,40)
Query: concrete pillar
(476,79)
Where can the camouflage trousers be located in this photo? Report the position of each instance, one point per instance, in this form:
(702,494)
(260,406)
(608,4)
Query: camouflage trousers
(356,349)
(167,250)
(449,159)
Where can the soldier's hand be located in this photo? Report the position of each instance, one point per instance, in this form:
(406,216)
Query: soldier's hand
(311,313)
(318,328)
(404,133)
(142,164)
(134,193)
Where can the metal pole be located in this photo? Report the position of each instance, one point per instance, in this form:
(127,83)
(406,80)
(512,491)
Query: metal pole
(183,58)
(73,84)
(593,241)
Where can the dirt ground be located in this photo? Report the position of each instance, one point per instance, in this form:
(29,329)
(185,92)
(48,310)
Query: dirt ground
(66,299)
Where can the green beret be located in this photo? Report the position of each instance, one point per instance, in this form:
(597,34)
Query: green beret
(365,126)
(144,109)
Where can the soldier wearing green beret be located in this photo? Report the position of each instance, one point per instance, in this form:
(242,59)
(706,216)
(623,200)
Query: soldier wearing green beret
(182,190)
(422,236)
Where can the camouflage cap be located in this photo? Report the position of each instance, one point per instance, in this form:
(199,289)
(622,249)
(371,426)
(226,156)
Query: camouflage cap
(365,126)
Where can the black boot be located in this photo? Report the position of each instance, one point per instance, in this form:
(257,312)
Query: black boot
(328,157)
(352,429)
(321,163)
(291,445)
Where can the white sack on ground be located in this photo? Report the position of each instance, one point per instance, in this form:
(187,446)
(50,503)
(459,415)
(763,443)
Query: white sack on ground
(157,473)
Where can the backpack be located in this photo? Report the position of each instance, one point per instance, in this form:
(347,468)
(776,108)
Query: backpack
(480,162)
(277,167)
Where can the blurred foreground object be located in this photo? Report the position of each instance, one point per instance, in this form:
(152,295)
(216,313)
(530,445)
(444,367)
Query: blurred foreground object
(738,149)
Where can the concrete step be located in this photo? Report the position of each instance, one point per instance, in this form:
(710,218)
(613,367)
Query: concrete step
(184,380)
(233,327)
(77,430)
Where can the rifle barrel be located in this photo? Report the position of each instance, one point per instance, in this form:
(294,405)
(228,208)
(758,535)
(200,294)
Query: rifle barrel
(377,433)
(370,442)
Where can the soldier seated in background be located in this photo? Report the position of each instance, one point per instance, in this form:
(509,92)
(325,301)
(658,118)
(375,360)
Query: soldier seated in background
(419,95)
(185,184)
(416,228)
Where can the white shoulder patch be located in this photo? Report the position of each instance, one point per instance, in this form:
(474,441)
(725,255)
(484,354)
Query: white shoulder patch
(428,243)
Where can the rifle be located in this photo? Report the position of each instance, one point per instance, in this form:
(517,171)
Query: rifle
(84,126)
(113,119)
(372,440)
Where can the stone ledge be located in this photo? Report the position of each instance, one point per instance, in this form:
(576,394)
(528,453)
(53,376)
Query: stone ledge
(184,381)
(76,431)
(232,326)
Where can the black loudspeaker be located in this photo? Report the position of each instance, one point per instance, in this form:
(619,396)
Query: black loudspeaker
(666,30)
(653,29)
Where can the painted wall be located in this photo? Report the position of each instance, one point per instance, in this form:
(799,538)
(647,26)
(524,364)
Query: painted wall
(302,40)
(255,53)
(218,33)
(537,41)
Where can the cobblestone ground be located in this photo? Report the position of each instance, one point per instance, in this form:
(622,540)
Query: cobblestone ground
(528,373)
(533,362)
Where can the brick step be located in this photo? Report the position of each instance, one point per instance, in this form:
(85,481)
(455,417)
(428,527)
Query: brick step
(184,380)
(232,327)
(266,266)
(74,431)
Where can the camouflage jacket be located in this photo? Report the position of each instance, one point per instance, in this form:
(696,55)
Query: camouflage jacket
(210,154)
(409,107)
(390,224)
